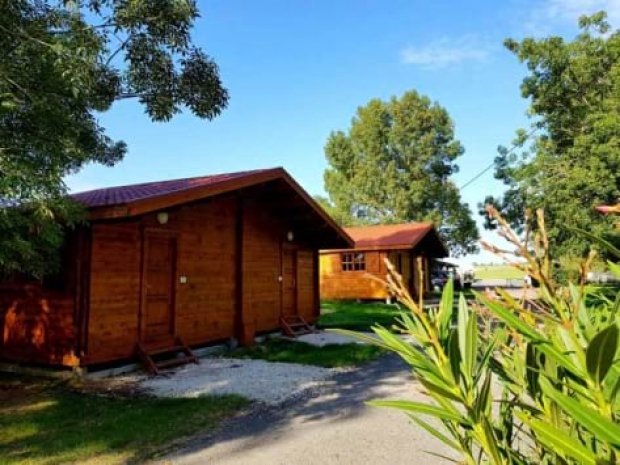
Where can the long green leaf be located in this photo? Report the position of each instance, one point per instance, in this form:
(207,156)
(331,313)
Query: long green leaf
(482,405)
(512,320)
(435,432)
(558,441)
(440,388)
(483,364)
(454,354)
(543,344)
(444,316)
(464,340)
(471,350)
(601,352)
(601,427)
(421,408)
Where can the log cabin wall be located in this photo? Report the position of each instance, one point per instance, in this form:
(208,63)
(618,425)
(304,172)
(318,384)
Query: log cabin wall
(336,284)
(264,236)
(204,304)
(215,302)
(114,291)
(38,319)
(348,285)
(37,325)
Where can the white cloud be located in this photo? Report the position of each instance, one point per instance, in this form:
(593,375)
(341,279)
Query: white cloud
(571,10)
(445,52)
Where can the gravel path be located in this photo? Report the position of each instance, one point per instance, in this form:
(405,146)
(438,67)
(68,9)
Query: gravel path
(267,382)
(330,425)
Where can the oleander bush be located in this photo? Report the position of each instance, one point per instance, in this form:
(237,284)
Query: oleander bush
(516,380)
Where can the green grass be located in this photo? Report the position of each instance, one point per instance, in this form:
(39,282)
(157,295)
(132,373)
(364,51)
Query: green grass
(497,272)
(329,356)
(357,316)
(49,423)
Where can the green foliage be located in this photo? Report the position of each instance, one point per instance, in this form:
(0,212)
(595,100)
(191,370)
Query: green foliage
(329,356)
(516,382)
(56,424)
(361,316)
(394,165)
(60,64)
(571,158)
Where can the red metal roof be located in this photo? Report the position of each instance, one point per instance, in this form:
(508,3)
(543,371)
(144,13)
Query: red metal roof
(389,235)
(124,194)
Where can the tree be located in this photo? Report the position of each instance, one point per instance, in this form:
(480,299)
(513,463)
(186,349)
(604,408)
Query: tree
(394,165)
(62,62)
(570,160)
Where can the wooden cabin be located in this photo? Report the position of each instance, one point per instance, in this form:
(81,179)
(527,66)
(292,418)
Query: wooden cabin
(348,273)
(200,260)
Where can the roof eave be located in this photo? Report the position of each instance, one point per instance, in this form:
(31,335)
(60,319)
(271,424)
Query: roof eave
(173,199)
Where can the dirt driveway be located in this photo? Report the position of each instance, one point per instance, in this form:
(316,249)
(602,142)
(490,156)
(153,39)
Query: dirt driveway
(330,426)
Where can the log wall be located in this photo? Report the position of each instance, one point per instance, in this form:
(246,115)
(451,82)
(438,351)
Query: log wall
(215,303)
(37,325)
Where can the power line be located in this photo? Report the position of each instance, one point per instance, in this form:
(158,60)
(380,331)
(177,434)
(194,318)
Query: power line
(487,168)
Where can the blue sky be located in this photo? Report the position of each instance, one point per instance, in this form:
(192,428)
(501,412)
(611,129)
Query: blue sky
(297,70)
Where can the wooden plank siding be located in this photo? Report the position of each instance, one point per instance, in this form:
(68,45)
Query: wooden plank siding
(114,291)
(206,307)
(37,325)
(336,284)
(224,277)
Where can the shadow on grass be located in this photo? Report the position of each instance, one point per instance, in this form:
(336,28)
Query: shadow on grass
(57,425)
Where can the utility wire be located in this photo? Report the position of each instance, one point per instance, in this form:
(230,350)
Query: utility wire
(514,147)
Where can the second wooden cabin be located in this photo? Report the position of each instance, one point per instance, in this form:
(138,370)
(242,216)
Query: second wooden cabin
(347,273)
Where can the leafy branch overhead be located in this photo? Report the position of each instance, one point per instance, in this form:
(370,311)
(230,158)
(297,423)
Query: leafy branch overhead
(394,165)
(569,162)
(63,62)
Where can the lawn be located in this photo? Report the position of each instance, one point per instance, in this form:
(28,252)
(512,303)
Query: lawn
(358,316)
(44,422)
(328,356)
(497,272)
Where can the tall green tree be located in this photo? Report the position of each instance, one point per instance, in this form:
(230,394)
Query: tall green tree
(570,160)
(394,165)
(61,63)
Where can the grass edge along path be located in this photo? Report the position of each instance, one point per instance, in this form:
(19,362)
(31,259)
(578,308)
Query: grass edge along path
(46,423)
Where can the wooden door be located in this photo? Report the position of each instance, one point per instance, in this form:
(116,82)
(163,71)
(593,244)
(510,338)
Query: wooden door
(158,287)
(289,282)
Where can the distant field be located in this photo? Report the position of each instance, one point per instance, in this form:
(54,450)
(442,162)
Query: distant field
(497,272)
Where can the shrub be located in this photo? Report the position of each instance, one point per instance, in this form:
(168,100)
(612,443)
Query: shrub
(515,381)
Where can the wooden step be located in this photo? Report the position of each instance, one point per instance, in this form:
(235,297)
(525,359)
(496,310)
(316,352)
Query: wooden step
(156,355)
(294,325)
(165,350)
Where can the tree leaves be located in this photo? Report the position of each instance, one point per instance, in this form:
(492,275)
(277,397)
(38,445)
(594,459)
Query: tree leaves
(61,63)
(571,162)
(394,165)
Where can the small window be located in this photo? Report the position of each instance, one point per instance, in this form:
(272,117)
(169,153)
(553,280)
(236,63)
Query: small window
(353,261)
